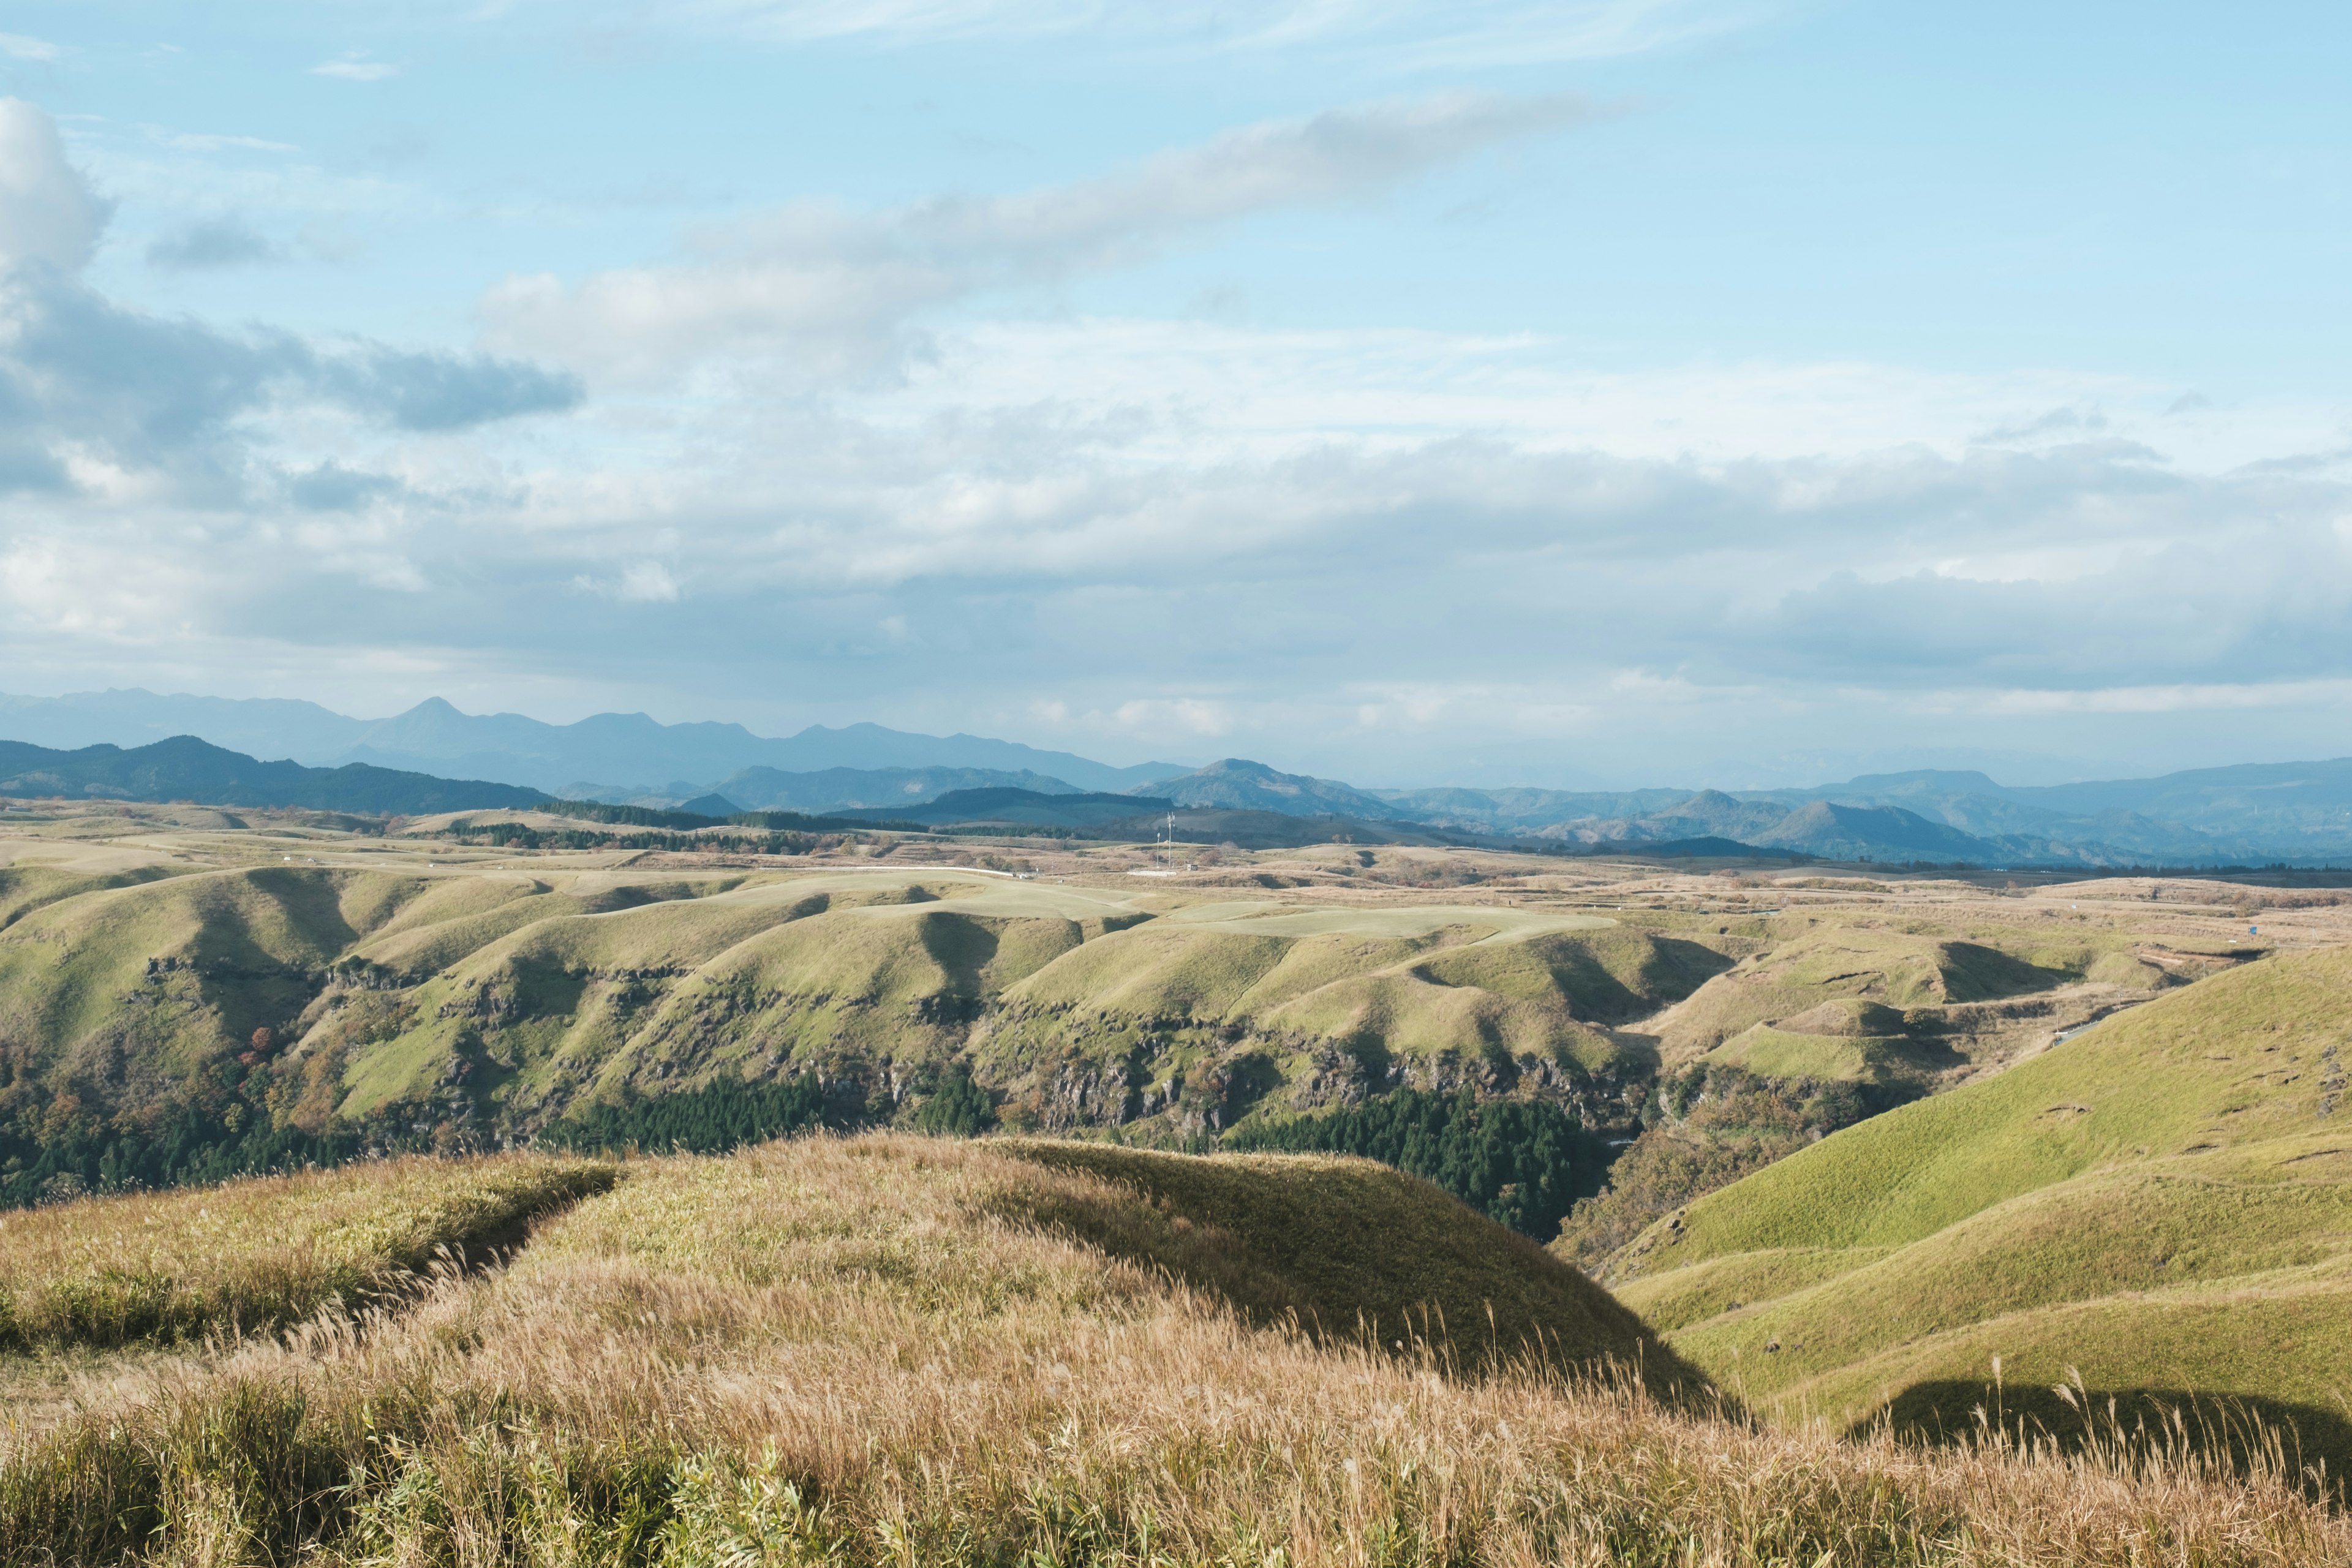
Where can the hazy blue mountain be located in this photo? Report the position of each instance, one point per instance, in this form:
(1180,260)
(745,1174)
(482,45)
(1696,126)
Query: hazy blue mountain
(769,789)
(630,749)
(261,727)
(1516,810)
(185,768)
(2273,801)
(1933,784)
(1235,784)
(714,805)
(1871,833)
(2299,812)
(1010,807)
(2275,811)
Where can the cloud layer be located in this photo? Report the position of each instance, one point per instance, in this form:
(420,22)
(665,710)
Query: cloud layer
(725,484)
(103,401)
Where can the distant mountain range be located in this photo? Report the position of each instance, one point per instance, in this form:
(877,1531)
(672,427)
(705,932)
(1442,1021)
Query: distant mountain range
(2296,813)
(830,789)
(185,768)
(628,751)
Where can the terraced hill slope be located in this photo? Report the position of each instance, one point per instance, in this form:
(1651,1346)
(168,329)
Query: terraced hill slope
(2162,1204)
(1087,1008)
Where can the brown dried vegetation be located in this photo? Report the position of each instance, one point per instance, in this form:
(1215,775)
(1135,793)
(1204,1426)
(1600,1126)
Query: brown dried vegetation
(857,1351)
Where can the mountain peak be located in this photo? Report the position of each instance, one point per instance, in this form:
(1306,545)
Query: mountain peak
(1237,784)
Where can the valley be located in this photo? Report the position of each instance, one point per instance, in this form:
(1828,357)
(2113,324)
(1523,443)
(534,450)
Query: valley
(428,986)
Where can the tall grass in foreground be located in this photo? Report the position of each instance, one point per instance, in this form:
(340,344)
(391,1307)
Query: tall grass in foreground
(843,1353)
(257,1254)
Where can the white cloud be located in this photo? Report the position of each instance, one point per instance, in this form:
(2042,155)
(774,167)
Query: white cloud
(648,583)
(1192,717)
(1247,391)
(34,51)
(837,286)
(351,69)
(121,408)
(1406,608)
(47,215)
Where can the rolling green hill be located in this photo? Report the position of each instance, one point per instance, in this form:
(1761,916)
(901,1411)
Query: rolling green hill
(1912,1001)
(163,1021)
(155,1025)
(2162,1204)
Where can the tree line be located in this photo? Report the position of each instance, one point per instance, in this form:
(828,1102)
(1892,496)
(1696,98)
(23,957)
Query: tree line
(1523,1163)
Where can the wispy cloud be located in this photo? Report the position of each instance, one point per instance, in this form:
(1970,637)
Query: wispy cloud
(1428,34)
(838,285)
(207,142)
(209,244)
(35,51)
(352,68)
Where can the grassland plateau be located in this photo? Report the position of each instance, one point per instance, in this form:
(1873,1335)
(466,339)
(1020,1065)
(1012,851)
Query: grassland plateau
(1840,1137)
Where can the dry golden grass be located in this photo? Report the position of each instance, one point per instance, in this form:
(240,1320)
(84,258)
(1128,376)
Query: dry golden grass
(166,1265)
(833,1352)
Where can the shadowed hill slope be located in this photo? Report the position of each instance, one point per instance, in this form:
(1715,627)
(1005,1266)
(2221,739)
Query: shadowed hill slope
(1350,1247)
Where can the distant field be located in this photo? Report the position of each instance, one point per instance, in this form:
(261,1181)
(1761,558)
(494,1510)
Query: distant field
(1501,923)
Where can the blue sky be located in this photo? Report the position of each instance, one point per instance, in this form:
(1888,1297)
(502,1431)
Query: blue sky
(1624,392)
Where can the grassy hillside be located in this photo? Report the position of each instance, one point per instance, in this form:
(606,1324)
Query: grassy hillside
(1935,984)
(893,1350)
(2163,1202)
(258,1254)
(1335,1001)
(271,996)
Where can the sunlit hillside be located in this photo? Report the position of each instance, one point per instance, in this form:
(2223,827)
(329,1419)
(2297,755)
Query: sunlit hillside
(2157,1208)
